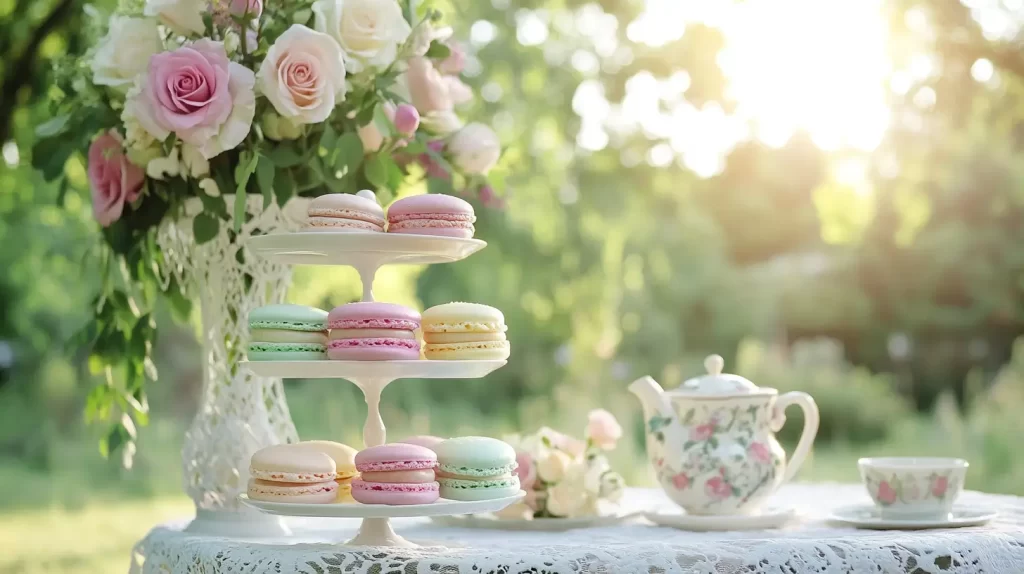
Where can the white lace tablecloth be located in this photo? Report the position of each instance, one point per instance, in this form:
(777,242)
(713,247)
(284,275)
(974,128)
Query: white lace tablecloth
(808,544)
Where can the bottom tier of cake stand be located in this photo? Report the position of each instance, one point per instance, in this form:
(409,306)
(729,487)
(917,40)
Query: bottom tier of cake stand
(375,529)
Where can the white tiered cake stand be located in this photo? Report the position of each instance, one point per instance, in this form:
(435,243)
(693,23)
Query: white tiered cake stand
(367,252)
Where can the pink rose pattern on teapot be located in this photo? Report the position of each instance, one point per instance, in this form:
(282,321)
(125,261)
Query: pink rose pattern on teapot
(729,455)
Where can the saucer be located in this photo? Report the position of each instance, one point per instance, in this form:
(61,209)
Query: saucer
(869,516)
(763,520)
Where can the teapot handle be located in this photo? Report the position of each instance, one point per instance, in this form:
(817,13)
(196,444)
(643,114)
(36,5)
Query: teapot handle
(810,408)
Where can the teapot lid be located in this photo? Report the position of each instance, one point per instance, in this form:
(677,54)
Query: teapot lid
(716,383)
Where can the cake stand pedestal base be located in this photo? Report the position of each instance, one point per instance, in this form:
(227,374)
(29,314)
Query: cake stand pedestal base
(242,523)
(378,532)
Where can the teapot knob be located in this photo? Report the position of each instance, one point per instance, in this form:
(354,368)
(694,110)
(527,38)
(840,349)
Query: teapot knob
(714,364)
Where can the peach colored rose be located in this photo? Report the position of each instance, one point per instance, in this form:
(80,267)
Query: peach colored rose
(759,452)
(113,180)
(526,470)
(303,75)
(198,94)
(717,488)
(603,429)
(427,87)
(702,432)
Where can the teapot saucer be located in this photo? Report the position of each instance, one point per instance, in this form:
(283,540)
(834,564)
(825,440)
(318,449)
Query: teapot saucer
(868,516)
(763,520)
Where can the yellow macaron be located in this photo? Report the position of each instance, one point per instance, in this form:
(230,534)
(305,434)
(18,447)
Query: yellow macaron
(344,458)
(464,331)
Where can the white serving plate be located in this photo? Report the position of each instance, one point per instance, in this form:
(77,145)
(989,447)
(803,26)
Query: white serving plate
(385,370)
(442,507)
(362,248)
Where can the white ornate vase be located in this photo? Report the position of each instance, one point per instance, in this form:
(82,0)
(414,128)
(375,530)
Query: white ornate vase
(238,412)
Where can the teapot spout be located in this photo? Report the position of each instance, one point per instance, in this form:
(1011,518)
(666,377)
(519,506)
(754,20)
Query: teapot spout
(652,397)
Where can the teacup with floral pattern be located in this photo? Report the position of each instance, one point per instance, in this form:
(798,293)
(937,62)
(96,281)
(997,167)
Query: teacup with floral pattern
(908,487)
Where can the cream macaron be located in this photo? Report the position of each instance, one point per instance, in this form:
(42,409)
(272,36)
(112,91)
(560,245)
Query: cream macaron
(292,473)
(464,331)
(346,212)
(344,458)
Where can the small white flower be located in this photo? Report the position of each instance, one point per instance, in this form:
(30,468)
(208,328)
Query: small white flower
(552,468)
(183,16)
(210,187)
(475,148)
(368,31)
(193,163)
(164,167)
(124,51)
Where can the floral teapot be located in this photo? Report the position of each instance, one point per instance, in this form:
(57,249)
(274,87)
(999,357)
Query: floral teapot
(712,440)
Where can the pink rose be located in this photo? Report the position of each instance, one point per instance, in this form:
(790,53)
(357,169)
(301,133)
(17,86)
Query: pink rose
(717,488)
(526,470)
(406,119)
(886,493)
(427,88)
(113,180)
(702,432)
(303,75)
(201,96)
(456,60)
(250,8)
(680,481)
(939,486)
(759,452)
(602,428)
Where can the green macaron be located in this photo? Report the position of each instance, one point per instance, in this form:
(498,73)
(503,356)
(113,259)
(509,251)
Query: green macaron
(476,468)
(287,333)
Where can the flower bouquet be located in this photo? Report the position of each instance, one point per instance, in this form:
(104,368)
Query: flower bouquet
(565,477)
(220,105)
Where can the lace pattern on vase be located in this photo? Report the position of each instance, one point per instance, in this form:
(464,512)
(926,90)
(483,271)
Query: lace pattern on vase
(811,545)
(238,411)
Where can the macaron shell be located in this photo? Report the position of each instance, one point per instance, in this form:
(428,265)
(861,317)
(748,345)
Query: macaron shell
(372,353)
(288,317)
(395,456)
(475,455)
(332,224)
(286,355)
(326,213)
(394,494)
(459,317)
(315,493)
(468,495)
(468,351)
(429,203)
(344,456)
(331,203)
(292,463)
(373,315)
(461,233)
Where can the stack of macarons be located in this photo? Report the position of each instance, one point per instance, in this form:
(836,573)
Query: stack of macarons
(346,212)
(464,331)
(395,474)
(432,214)
(476,468)
(287,333)
(370,331)
(310,472)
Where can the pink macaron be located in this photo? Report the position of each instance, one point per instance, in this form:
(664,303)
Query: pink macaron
(395,474)
(432,214)
(370,331)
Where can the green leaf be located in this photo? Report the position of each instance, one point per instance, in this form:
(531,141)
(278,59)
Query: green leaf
(438,50)
(244,170)
(365,116)
(205,227)
(326,175)
(439,185)
(350,152)
(376,170)
(265,179)
(284,186)
(329,145)
(53,126)
(284,155)
(415,147)
(384,124)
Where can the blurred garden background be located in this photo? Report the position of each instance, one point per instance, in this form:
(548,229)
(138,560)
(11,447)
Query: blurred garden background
(829,193)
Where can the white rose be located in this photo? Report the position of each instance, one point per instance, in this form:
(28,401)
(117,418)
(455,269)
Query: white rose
(368,31)
(303,75)
(124,52)
(552,467)
(183,16)
(441,123)
(565,499)
(475,148)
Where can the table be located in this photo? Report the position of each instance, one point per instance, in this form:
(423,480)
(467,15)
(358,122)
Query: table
(806,545)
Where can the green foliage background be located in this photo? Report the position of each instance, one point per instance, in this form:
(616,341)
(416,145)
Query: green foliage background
(606,270)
